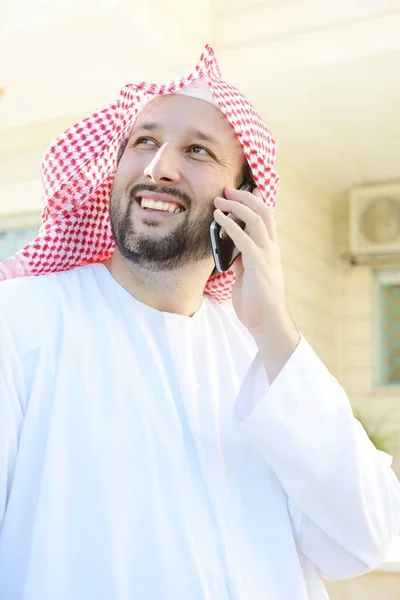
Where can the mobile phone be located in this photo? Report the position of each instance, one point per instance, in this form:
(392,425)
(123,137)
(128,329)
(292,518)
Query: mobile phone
(224,250)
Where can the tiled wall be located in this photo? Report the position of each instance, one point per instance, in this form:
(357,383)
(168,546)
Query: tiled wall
(379,407)
(333,305)
(306,236)
(332,302)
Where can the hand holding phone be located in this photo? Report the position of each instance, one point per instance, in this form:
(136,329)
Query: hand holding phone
(223,249)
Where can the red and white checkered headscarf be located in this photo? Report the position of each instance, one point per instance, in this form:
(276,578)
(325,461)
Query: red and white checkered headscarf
(79,168)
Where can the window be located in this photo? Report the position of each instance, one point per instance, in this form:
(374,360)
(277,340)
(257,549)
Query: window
(16,231)
(388,326)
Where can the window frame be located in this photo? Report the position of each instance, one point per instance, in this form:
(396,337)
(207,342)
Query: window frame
(383,277)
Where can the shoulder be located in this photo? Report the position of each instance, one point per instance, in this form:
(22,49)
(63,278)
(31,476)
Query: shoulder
(34,306)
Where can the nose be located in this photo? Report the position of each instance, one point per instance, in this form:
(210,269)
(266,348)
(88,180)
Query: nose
(164,166)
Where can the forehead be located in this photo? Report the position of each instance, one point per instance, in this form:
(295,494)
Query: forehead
(177,114)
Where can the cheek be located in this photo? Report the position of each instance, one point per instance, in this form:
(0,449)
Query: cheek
(207,185)
(118,198)
(130,169)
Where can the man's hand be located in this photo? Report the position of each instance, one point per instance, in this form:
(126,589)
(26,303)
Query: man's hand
(258,295)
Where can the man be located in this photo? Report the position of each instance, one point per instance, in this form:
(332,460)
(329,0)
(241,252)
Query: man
(156,443)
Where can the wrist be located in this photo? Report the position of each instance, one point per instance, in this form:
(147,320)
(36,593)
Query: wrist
(279,325)
(277,339)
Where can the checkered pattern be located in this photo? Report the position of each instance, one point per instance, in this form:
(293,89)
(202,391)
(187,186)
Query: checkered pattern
(79,168)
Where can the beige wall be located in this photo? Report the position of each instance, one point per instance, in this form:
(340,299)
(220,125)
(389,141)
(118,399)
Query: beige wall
(356,326)
(306,236)
(332,302)
(333,305)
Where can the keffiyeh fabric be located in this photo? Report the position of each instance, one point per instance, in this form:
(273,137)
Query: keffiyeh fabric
(79,168)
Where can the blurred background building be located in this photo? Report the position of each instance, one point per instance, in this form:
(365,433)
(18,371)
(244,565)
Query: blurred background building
(325,77)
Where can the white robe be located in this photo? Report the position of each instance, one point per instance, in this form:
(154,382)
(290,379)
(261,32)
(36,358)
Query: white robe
(144,456)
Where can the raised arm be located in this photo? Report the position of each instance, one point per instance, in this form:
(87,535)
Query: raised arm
(343,496)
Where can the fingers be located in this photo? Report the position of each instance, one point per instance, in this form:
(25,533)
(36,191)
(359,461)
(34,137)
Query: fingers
(255,226)
(254,201)
(240,238)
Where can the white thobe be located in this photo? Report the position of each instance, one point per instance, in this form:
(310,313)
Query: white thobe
(144,456)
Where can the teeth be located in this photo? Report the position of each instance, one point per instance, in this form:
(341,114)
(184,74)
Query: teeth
(158,205)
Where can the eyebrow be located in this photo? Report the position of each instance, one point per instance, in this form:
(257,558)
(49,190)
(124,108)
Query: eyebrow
(196,133)
(149,126)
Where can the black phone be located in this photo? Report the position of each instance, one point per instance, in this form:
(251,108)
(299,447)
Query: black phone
(224,250)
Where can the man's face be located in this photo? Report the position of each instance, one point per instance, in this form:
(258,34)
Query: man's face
(182,152)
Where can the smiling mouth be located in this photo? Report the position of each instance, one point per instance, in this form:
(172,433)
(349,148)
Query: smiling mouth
(150,204)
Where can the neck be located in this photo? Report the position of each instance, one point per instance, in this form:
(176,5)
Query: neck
(179,291)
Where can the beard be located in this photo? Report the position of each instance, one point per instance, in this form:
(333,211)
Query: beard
(187,243)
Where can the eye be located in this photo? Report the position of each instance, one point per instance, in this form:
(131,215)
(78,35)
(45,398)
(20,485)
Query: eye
(144,141)
(199,150)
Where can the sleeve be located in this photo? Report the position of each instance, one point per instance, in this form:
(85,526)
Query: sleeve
(12,392)
(343,497)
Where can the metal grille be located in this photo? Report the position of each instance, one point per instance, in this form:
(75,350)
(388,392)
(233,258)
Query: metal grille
(390,321)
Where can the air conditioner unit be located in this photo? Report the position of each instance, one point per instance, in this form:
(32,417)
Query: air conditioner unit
(375,220)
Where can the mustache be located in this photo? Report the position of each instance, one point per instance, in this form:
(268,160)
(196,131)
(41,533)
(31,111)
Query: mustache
(171,191)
